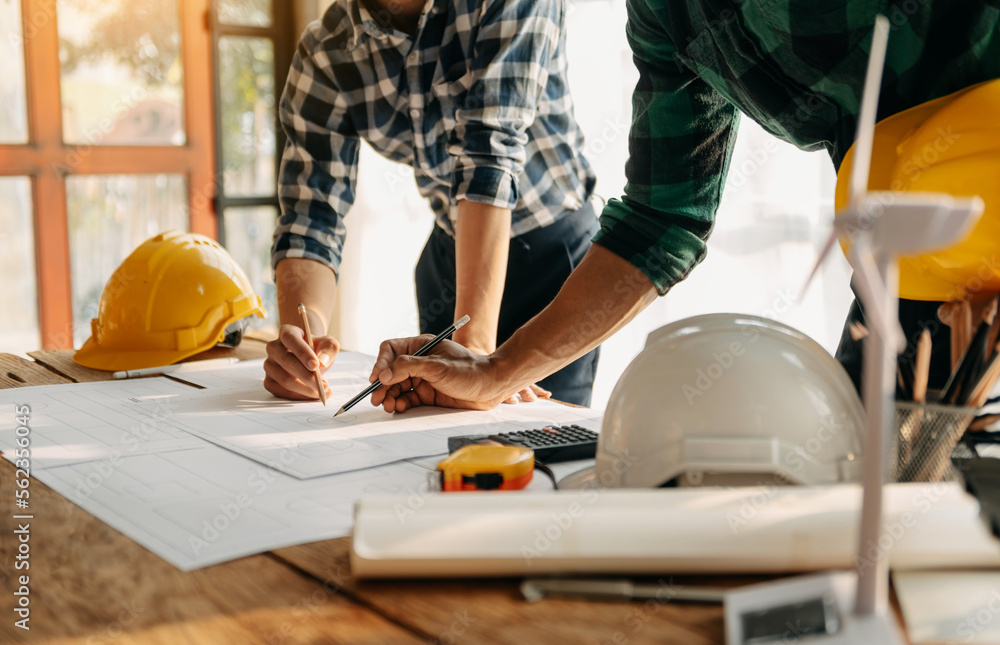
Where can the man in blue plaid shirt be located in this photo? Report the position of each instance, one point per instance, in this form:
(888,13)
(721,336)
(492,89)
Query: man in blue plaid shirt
(472,94)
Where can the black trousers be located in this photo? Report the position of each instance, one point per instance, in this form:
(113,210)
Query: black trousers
(914,317)
(537,266)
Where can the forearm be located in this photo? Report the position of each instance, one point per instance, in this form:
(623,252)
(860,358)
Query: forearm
(482,242)
(311,283)
(600,297)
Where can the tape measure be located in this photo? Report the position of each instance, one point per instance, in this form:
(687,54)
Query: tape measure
(479,467)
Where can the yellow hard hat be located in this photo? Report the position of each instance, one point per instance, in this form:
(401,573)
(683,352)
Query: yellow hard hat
(176,295)
(948,145)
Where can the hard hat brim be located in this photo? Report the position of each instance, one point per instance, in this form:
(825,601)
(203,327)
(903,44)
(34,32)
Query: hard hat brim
(92,355)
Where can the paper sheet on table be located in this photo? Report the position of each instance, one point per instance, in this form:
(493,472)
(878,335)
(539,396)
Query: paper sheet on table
(208,505)
(304,439)
(246,375)
(950,606)
(81,422)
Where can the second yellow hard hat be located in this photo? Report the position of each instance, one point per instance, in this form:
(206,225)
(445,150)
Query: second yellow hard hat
(949,145)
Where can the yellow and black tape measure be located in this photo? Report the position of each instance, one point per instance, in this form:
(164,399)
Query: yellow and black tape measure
(483,467)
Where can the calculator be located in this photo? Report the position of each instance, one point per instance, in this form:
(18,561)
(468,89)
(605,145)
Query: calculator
(551,444)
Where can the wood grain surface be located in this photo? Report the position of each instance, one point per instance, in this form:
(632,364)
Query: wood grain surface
(492,612)
(92,585)
(61,362)
(17,371)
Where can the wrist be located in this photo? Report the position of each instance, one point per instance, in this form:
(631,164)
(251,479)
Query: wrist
(475,343)
(507,372)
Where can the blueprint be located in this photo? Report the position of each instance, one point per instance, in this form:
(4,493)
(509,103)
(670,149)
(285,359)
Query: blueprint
(304,439)
(81,422)
(199,507)
(207,467)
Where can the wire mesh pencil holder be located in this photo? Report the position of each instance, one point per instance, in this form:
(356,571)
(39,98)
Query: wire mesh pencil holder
(925,436)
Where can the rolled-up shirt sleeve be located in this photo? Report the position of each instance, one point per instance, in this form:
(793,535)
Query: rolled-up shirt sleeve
(319,164)
(508,74)
(680,143)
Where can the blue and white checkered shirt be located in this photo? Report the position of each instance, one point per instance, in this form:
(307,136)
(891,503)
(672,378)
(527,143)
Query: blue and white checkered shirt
(476,102)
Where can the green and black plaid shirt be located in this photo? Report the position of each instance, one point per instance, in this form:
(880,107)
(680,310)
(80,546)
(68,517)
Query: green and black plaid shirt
(796,67)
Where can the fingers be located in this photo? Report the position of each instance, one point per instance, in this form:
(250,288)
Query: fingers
(402,400)
(294,341)
(531,393)
(290,365)
(297,391)
(540,392)
(406,367)
(390,350)
(327,348)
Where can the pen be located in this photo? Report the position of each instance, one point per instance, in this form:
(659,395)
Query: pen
(309,339)
(420,352)
(534,589)
(192,366)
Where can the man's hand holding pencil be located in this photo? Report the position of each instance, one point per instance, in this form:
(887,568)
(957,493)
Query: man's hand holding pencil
(461,376)
(292,363)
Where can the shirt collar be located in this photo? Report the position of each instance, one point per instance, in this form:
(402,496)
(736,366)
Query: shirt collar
(364,25)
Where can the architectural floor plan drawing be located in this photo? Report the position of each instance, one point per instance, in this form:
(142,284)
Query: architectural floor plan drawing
(81,422)
(199,507)
(304,439)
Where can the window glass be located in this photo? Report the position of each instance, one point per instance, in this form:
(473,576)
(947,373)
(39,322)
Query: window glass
(256,13)
(248,240)
(13,117)
(19,331)
(246,81)
(122,79)
(109,216)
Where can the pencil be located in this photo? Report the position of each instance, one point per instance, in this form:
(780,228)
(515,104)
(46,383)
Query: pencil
(982,390)
(191,366)
(976,356)
(922,368)
(948,314)
(309,339)
(420,352)
(991,340)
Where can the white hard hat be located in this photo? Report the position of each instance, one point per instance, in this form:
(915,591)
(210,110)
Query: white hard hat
(731,395)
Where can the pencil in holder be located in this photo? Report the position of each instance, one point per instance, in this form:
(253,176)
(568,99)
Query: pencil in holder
(925,436)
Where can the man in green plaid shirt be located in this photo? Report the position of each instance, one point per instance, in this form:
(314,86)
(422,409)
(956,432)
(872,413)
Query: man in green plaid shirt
(796,67)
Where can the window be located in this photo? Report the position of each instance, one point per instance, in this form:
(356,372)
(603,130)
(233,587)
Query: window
(109,138)
(253,47)
(114,128)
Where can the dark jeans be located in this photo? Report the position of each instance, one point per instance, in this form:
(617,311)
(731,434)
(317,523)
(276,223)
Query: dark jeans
(538,264)
(914,317)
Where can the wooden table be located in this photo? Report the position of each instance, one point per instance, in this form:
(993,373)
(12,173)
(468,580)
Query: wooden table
(90,584)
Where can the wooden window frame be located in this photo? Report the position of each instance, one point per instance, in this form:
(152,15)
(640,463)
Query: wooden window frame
(281,35)
(47,161)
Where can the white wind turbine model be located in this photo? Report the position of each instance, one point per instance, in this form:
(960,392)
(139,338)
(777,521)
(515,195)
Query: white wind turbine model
(880,226)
